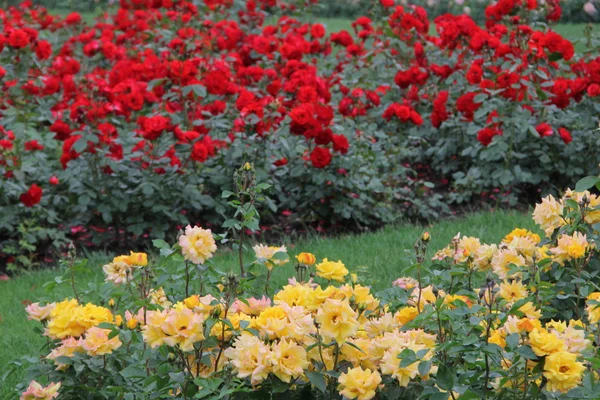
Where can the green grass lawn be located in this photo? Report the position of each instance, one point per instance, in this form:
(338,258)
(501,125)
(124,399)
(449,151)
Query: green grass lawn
(378,257)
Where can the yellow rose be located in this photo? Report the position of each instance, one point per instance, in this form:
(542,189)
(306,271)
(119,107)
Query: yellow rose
(331,270)
(197,244)
(358,383)
(35,391)
(250,358)
(406,314)
(288,360)
(337,320)
(97,343)
(544,343)
(563,371)
(513,291)
(570,247)
(272,322)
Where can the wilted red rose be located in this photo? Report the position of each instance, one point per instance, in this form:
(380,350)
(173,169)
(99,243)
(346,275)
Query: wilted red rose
(32,196)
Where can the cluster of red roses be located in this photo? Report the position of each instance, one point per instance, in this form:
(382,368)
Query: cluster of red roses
(163,70)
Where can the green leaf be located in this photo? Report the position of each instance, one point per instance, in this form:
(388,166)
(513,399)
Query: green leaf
(526,352)
(160,244)
(133,371)
(445,378)
(317,379)
(586,183)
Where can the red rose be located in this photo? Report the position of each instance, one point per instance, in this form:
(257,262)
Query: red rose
(73,18)
(302,115)
(18,39)
(32,196)
(544,129)
(281,162)
(61,129)
(439,113)
(317,31)
(6,144)
(153,127)
(43,50)
(199,152)
(340,143)
(387,3)
(320,157)
(486,135)
(593,90)
(2,72)
(474,74)
(33,145)
(54,180)
(565,135)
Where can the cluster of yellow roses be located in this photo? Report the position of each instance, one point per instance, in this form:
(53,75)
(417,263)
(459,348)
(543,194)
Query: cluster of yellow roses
(77,327)
(307,327)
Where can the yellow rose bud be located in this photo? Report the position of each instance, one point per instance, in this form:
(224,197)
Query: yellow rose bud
(118,320)
(426,237)
(132,323)
(111,302)
(307,259)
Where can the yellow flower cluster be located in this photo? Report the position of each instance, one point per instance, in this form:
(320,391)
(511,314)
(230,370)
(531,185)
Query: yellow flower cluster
(519,250)
(69,318)
(549,214)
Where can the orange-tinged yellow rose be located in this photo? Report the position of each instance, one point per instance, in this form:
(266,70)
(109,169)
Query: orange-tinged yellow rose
(97,343)
(35,391)
(307,259)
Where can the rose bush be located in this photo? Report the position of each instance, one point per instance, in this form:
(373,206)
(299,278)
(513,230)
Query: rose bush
(518,319)
(133,126)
